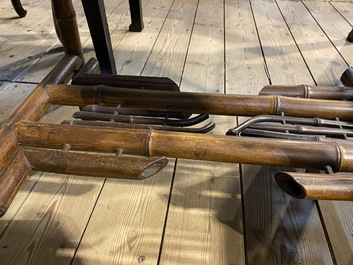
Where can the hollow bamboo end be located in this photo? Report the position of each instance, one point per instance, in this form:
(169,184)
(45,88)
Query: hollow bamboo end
(2,211)
(289,185)
(347,77)
(154,167)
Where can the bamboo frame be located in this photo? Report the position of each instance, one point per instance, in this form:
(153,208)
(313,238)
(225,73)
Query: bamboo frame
(29,144)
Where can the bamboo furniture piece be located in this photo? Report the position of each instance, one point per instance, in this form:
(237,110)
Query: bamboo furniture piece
(111,149)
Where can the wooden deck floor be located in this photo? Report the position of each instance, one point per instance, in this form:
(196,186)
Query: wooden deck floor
(193,212)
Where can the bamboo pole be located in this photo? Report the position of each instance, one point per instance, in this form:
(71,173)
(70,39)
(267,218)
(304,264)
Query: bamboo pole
(274,152)
(11,178)
(8,146)
(37,103)
(313,186)
(67,29)
(305,91)
(220,104)
(93,164)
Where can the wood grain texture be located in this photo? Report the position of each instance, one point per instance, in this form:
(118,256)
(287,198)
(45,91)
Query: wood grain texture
(205,216)
(338,222)
(49,215)
(49,226)
(280,50)
(11,96)
(279,230)
(317,50)
(245,65)
(336,215)
(203,70)
(204,224)
(334,25)
(205,213)
(135,48)
(127,223)
(168,55)
(26,41)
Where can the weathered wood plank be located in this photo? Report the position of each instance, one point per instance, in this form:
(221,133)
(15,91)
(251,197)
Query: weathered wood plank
(204,222)
(134,48)
(325,64)
(280,51)
(334,25)
(127,224)
(336,215)
(27,40)
(47,229)
(205,216)
(245,65)
(54,212)
(345,9)
(11,96)
(49,56)
(279,229)
(168,55)
(204,67)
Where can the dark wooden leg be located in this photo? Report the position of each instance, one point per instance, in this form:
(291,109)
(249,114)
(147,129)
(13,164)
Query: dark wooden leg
(136,16)
(350,36)
(18,8)
(98,26)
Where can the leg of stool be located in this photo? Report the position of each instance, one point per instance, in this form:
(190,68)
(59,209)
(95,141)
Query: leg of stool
(136,16)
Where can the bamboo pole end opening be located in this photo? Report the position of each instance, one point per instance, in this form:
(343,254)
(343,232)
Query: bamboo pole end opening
(288,184)
(154,167)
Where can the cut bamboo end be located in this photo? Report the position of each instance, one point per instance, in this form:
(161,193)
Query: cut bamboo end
(288,91)
(153,168)
(94,164)
(338,186)
(289,185)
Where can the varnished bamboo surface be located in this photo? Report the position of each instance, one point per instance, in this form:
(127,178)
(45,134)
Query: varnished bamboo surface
(192,212)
